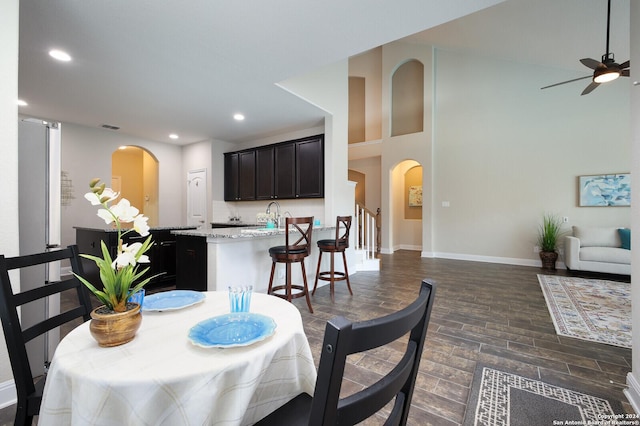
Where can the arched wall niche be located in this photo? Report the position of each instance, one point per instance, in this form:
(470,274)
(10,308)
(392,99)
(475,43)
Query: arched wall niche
(413,193)
(407,98)
(134,173)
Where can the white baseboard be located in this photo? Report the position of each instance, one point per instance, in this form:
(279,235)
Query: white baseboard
(494,259)
(7,394)
(633,392)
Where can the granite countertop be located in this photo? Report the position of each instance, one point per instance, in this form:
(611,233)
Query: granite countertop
(234,223)
(153,228)
(238,232)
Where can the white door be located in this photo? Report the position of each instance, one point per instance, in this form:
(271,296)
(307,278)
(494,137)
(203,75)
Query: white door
(197,198)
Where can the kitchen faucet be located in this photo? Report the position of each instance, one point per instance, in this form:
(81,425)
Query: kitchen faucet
(277,211)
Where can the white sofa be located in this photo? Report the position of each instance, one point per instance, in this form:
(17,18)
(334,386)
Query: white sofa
(597,250)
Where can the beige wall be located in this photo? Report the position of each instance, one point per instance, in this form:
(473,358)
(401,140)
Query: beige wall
(369,66)
(501,152)
(127,165)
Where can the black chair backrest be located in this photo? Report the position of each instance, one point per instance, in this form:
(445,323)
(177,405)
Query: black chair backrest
(15,336)
(304,225)
(343,338)
(343,226)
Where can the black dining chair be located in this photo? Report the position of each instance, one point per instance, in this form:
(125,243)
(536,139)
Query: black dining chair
(28,388)
(342,338)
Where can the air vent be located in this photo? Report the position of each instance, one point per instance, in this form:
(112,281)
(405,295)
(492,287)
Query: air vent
(110,127)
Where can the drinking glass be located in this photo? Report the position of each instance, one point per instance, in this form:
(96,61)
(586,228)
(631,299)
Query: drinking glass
(240,298)
(137,297)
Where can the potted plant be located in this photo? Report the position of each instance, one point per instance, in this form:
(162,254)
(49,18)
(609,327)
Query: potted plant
(117,320)
(549,233)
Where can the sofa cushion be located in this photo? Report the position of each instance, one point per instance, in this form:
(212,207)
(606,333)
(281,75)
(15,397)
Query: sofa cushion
(605,254)
(597,237)
(625,238)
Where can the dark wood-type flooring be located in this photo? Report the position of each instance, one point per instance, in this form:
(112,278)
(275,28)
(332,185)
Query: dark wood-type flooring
(483,313)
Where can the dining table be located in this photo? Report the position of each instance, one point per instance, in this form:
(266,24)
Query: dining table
(172,373)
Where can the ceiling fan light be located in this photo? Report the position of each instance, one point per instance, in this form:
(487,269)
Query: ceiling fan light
(605,75)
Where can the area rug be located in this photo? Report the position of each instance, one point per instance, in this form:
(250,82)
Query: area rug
(589,309)
(499,398)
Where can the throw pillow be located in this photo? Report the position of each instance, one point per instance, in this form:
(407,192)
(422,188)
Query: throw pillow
(625,237)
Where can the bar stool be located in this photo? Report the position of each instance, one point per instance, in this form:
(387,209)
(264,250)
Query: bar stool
(338,245)
(292,253)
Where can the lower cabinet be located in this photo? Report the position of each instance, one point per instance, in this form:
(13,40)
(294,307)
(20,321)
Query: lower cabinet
(191,264)
(162,255)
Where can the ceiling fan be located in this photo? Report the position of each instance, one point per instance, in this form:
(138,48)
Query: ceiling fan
(605,70)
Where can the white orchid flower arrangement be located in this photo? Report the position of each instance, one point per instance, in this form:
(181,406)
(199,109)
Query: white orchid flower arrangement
(120,276)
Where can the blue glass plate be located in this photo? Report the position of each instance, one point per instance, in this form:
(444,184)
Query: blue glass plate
(237,329)
(172,300)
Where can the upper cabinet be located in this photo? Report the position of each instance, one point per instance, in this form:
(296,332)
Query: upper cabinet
(240,176)
(309,174)
(265,171)
(292,169)
(285,171)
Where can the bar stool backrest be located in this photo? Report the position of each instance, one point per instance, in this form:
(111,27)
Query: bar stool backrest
(343,226)
(304,226)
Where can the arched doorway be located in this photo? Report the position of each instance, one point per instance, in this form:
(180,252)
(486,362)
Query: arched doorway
(406,206)
(134,173)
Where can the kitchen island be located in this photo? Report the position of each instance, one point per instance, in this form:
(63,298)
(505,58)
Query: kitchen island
(214,259)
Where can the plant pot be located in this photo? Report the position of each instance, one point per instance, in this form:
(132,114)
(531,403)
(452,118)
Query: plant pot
(549,259)
(115,328)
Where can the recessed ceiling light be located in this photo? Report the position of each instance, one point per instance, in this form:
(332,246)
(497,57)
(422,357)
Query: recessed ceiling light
(238,117)
(20,102)
(173,136)
(59,55)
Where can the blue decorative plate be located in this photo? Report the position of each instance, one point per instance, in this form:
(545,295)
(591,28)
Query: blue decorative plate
(172,300)
(237,329)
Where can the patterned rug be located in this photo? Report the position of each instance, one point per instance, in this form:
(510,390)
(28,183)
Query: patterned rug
(499,398)
(589,309)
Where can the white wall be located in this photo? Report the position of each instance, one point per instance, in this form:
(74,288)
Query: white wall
(633,378)
(505,152)
(328,89)
(197,156)
(86,154)
(8,160)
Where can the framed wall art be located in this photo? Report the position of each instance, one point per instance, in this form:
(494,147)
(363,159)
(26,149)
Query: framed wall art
(415,196)
(605,190)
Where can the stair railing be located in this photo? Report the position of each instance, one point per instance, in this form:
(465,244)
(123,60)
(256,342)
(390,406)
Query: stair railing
(368,231)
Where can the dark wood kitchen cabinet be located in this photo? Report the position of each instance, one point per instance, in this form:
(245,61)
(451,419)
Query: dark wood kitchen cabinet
(191,263)
(162,255)
(231,172)
(264,172)
(240,176)
(286,170)
(310,168)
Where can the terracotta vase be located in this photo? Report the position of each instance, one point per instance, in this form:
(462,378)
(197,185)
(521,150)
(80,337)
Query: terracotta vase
(549,259)
(115,328)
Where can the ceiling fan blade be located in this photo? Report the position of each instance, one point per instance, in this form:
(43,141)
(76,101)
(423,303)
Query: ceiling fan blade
(565,82)
(624,65)
(590,88)
(624,73)
(591,63)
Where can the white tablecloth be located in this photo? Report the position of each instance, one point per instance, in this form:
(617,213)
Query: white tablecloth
(161,378)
